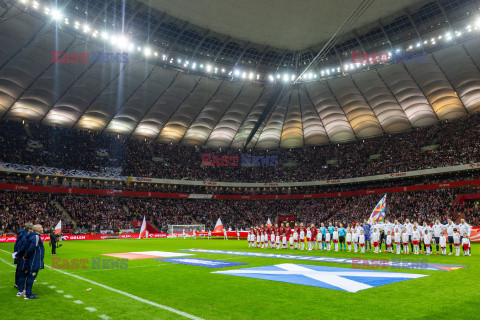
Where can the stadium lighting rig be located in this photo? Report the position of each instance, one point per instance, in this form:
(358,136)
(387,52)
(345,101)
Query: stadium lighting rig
(150,51)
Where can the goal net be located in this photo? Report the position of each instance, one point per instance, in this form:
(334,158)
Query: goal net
(179,230)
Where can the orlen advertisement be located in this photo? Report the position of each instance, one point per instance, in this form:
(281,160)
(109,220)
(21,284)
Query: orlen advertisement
(70,237)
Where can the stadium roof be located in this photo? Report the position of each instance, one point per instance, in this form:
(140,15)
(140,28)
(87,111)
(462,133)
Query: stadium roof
(161,100)
(284,24)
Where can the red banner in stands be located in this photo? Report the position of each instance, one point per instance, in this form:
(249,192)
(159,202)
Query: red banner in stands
(31,188)
(69,237)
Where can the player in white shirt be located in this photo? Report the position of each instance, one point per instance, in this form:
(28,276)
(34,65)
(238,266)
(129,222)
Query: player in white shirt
(388,227)
(466,244)
(355,236)
(398,240)
(328,240)
(309,239)
(443,243)
(184,234)
(262,240)
(302,237)
(376,239)
(416,240)
(465,228)
(405,240)
(277,240)
(209,234)
(319,240)
(427,240)
(295,237)
(456,242)
(361,241)
(409,231)
(290,240)
(272,240)
(335,239)
(349,239)
(226,238)
(238,235)
(450,227)
(388,242)
(437,231)
(194,234)
(284,241)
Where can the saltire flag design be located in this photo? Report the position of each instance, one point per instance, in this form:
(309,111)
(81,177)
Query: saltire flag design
(268,221)
(344,279)
(379,212)
(218,226)
(143,229)
(58,228)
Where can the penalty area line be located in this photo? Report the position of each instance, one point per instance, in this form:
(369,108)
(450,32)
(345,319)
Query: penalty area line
(161,306)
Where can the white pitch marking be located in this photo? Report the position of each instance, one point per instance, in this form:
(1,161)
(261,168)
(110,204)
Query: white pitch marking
(60,291)
(104,317)
(8,263)
(91,309)
(44,282)
(68,296)
(78,302)
(52,287)
(161,306)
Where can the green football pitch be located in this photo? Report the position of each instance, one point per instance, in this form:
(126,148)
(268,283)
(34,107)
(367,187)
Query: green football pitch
(150,289)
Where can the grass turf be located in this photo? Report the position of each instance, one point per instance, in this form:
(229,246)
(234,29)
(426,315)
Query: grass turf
(195,290)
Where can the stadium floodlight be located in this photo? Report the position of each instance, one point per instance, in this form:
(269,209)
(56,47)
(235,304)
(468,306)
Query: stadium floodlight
(459,34)
(208,68)
(35,5)
(122,42)
(285,77)
(179,60)
(258,76)
(244,75)
(164,57)
(315,76)
(477,22)
(66,20)
(236,72)
(419,44)
(147,51)
(251,75)
(47,10)
(56,14)
(201,66)
(278,76)
(223,70)
(105,35)
(86,28)
(131,47)
(322,73)
(448,36)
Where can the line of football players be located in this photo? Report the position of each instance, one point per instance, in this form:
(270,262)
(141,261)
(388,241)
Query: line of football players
(397,238)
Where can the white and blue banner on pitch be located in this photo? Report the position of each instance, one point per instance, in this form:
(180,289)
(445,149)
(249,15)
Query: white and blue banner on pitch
(400,263)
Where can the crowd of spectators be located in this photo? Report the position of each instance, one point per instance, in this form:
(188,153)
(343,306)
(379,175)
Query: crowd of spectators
(17,208)
(96,213)
(445,143)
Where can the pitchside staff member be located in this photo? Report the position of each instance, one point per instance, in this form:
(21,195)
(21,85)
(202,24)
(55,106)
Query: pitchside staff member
(53,241)
(34,255)
(19,244)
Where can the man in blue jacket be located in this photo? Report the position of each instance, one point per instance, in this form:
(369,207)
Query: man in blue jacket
(21,234)
(17,255)
(367,231)
(33,257)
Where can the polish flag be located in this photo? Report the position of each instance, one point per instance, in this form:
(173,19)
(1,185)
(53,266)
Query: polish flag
(58,228)
(143,229)
(218,226)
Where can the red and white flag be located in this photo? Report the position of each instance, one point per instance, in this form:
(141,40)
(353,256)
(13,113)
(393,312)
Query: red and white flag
(218,226)
(58,228)
(143,229)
